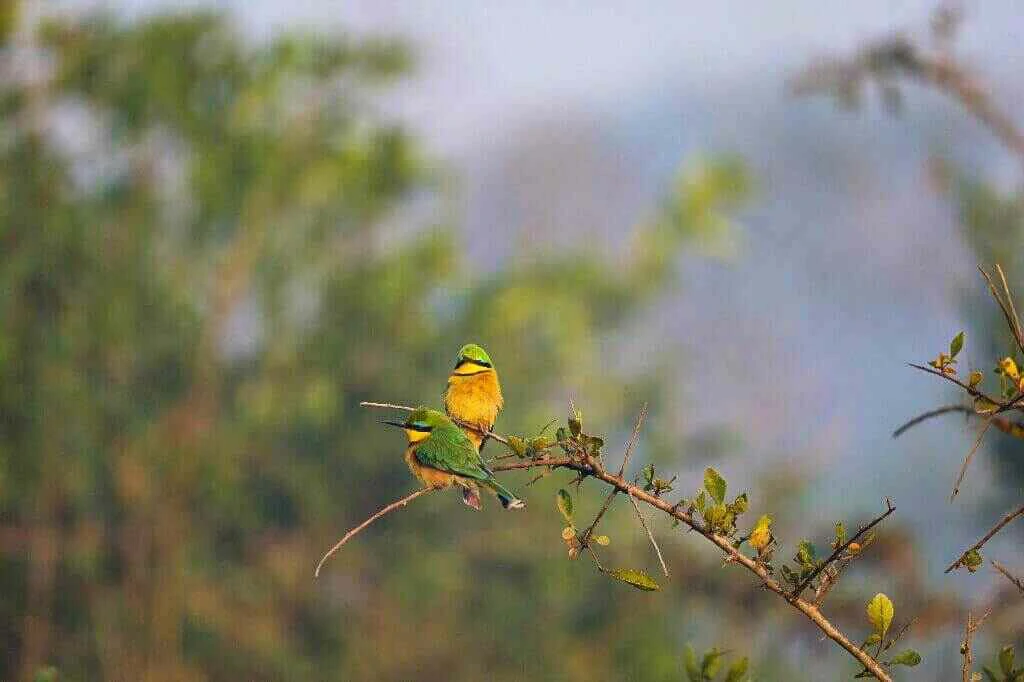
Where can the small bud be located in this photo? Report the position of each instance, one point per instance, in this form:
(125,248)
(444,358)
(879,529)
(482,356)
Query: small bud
(975,378)
(602,540)
(854,547)
(568,533)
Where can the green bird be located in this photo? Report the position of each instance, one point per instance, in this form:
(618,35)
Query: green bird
(440,455)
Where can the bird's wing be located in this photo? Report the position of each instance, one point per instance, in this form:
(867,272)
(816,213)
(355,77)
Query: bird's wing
(449,450)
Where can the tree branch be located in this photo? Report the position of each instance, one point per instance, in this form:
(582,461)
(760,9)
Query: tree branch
(352,533)
(808,609)
(1009,576)
(965,647)
(937,412)
(620,484)
(988,536)
(650,535)
(839,550)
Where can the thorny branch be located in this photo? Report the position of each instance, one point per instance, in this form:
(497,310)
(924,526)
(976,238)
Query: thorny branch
(846,545)
(988,536)
(965,647)
(733,555)
(1018,582)
(619,484)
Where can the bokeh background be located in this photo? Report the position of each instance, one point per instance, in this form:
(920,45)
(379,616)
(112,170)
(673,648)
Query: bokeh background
(224,224)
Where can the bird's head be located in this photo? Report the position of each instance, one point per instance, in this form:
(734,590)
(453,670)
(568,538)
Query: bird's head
(420,423)
(472,359)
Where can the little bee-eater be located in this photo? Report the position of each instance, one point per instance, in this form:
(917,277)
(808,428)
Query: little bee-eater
(474,396)
(440,455)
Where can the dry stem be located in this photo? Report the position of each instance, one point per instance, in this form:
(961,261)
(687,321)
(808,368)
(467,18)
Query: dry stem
(1009,576)
(352,533)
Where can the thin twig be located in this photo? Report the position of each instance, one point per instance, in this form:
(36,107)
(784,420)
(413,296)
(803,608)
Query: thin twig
(589,532)
(988,536)
(1006,306)
(1009,576)
(352,533)
(634,438)
(937,412)
(650,535)
(970,456)
(842,548)
(1007,426)
(971,390)
(965,647)
(390,406)
(1013,309)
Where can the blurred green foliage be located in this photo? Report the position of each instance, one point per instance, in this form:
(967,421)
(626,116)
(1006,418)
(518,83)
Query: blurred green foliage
(198,284)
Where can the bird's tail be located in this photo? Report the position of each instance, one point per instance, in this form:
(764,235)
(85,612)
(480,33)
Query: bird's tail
(507,498)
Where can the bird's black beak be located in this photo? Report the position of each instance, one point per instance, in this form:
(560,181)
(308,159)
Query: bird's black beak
(391,423)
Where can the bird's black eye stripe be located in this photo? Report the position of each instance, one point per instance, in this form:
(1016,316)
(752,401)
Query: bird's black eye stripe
(480,363)
(418,427)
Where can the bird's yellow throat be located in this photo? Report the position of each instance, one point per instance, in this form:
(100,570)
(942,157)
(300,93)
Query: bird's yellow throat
(416,436)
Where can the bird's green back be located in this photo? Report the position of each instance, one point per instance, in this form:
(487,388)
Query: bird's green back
(448,448)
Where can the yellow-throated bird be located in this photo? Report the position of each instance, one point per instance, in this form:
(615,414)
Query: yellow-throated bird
(440,455)
(474,396)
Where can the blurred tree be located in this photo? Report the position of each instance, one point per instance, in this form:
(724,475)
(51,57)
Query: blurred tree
(197,287)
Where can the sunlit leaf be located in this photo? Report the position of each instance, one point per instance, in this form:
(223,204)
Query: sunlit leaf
(956,345)
(637,579)
(880,613)
(714,484)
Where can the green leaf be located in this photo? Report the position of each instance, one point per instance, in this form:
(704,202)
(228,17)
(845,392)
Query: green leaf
(711,663)
(908,657)
(989,673)
(874,638)
(740,505)
(840,534)
(737,670)
(714,484)
(984,405)
(973,560)
(637,579)
(1006,660)
(956,345)
(648,473)
(806,553)
(880,613)
(564,501)
(690,662)
(518,446)
(700,502)
(576,422)
(715,515)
